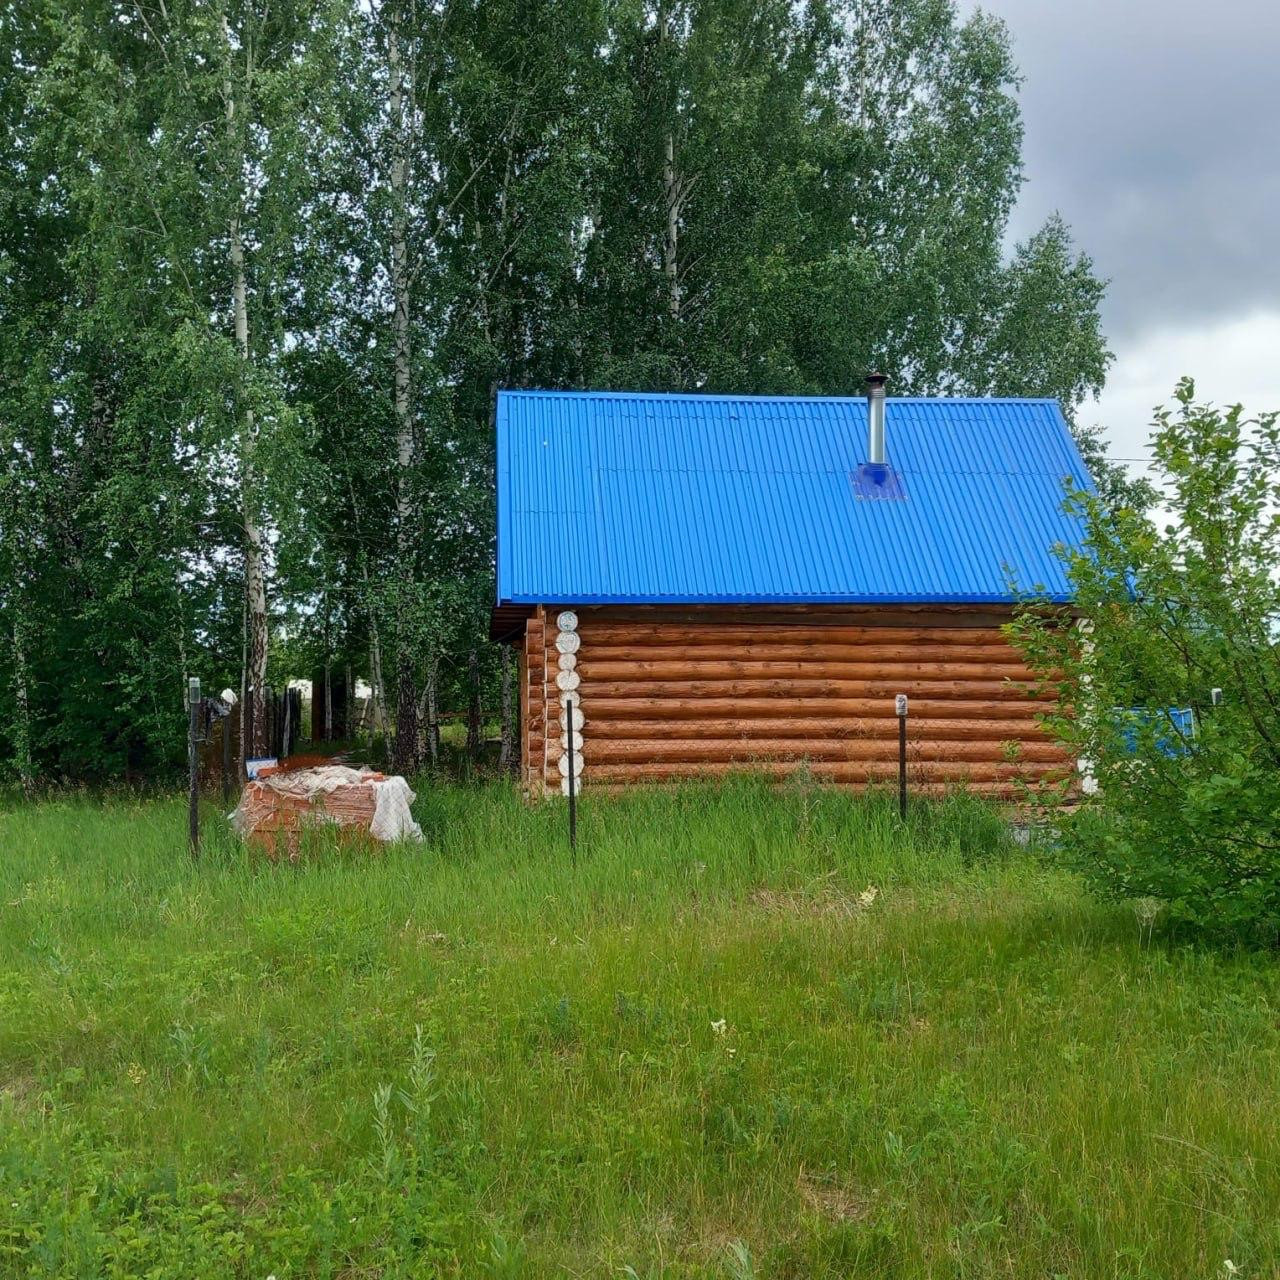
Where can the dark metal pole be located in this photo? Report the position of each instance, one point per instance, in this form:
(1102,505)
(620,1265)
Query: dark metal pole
(248,729)
(900,706)
(226,759)
(193,766)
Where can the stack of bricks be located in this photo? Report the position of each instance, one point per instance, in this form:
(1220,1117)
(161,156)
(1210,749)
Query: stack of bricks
(273,820)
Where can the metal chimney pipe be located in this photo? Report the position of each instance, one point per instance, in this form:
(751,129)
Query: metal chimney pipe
(875,419)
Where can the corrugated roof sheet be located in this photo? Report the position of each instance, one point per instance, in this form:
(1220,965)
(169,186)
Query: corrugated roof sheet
(614,497)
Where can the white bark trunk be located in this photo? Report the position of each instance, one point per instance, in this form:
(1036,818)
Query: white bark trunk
(22,702)
(328,676)
(378,694)
(670,192)
(433,715)
(254,571)
(400,288)
(328,703)
(349,705)
(406,757)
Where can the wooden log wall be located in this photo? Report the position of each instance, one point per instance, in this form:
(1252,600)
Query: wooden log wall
(676,694)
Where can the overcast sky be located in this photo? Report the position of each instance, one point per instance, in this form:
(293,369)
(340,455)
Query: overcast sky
(1153,127)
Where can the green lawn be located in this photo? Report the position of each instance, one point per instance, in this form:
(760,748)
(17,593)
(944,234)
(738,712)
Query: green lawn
(748,1034)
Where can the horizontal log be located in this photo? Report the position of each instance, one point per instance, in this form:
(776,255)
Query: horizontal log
(813,614)
(837,652)
(882,728)
(634,635)
(610,709)
(761,667)
(924,775)
(682,690)
(1001,793)
(655,750)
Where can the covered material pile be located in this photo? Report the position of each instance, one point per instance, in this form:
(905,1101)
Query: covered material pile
(275,808)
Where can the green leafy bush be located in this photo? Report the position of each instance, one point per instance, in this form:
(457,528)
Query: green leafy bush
(1187,808)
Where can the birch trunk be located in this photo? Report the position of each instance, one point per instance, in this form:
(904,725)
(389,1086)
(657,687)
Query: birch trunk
(406,753)
(474,713)
(244,677)
(378,695)
(254,571)
(328,702)
(433,715)
(670,191)
(22,703)
(328,678)
(378,688)
(349,705)
(423,747)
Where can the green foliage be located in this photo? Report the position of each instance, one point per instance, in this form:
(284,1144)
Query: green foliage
(1176,608)
(702,1050)
(841,177)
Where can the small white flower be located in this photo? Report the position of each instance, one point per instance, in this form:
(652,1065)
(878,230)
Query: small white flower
(868,896)
(1229,1268)
(720,1026)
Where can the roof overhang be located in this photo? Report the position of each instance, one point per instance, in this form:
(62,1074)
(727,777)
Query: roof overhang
(506,622)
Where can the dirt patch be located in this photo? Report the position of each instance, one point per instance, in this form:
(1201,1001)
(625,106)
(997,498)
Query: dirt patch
(821,898)
(20,1092)
(830,1200)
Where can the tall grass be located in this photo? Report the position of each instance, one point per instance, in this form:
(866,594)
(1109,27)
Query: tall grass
(745,1032)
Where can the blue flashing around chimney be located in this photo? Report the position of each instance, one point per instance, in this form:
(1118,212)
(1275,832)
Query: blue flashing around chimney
(877,482)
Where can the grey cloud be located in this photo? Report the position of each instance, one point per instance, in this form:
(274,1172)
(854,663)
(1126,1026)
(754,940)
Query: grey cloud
(1153,126)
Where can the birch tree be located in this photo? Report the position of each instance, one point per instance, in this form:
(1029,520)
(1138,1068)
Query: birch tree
(400,124)
(265,264)
(237,92)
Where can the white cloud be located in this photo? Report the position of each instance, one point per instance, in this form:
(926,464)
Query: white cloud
(1232,360)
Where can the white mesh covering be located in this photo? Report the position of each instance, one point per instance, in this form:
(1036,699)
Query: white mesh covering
(331,793)
(318,781)
(391,817)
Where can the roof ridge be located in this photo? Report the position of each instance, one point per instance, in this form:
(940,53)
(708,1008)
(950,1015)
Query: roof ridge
(600,394)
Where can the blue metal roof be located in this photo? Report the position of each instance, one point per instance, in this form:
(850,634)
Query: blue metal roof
(622,498)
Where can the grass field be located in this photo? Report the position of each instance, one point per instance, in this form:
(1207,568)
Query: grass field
(749,1033)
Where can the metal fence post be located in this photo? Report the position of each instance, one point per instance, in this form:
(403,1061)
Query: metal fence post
(249,752)
(900,708)
(573,790)
(193,765)
(226,759)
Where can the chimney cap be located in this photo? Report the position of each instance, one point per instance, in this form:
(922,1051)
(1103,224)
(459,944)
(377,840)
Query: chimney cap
(875,383)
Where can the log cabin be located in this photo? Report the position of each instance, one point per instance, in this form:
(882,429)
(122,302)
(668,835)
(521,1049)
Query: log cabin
(700,584)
